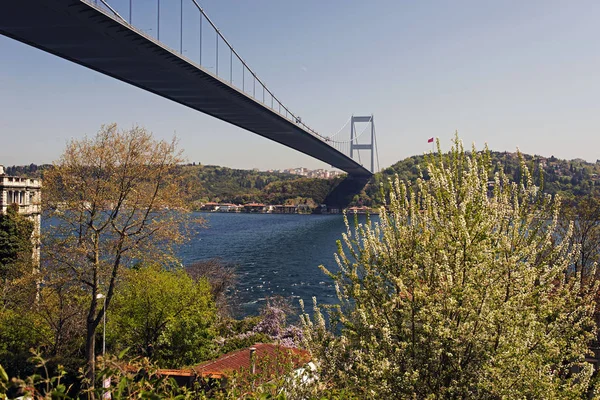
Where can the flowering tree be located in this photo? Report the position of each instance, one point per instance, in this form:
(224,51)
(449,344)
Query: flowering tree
(462,289)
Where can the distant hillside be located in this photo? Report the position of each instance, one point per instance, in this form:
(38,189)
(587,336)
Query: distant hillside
(227,185)
(570,178)
(222,184)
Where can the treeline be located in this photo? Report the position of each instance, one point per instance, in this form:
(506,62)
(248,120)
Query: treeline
(31,170)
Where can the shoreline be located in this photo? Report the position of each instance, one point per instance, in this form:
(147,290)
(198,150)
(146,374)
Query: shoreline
(371,212)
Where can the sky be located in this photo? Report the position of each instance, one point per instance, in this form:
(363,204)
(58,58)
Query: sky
(512,74)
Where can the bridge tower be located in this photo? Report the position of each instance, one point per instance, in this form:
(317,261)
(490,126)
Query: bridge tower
(354,145)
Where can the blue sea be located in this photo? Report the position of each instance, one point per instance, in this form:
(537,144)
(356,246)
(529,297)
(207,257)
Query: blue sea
(275,254)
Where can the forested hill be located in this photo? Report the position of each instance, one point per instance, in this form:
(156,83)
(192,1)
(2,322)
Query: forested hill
(227,185)
(239,186)
(570,178)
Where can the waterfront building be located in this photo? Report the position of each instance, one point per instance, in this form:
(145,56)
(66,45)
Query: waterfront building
(228,207)
(359,210)
(303,209)
(255,208)
(285,209)
(210,206)
(26,193)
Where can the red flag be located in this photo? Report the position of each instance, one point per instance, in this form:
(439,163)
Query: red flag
(430,140)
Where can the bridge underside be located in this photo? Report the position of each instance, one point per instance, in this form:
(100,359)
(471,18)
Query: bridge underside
(341,195)
(79,32)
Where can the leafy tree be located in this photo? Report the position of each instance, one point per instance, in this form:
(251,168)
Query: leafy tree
(582,217)
(115,200)
(222,277)
(461,290)
(61,306)
(20,329)
(16,246)
(19,332)
(164,315)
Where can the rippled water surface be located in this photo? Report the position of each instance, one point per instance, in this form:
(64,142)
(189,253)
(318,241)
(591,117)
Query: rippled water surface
(275,254)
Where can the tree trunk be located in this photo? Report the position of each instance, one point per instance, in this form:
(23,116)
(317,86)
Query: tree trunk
(90,352)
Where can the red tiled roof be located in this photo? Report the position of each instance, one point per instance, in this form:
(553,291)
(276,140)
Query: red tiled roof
(275,357)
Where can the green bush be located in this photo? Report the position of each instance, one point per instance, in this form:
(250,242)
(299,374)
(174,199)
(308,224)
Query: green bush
(164,315)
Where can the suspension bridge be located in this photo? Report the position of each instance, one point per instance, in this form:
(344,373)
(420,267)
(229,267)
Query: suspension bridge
(211,78)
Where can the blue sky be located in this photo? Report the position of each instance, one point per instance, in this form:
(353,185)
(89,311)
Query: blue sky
(511,73)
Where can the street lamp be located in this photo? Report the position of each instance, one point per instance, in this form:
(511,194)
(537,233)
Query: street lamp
(101,296)
(105,382)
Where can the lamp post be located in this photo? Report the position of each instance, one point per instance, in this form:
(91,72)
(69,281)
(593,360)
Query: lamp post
(105,382)
(101,296)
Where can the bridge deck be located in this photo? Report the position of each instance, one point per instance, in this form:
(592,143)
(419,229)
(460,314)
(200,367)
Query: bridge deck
(89,36)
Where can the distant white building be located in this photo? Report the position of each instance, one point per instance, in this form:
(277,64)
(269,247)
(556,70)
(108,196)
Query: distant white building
(317,173)
(27,194)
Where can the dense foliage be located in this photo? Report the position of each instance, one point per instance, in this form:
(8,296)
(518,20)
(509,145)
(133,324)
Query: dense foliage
(569,178)
(463,289)
(19,331)
(275,379)
(16,246)
(164,315)
(221,184)
(226,185)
